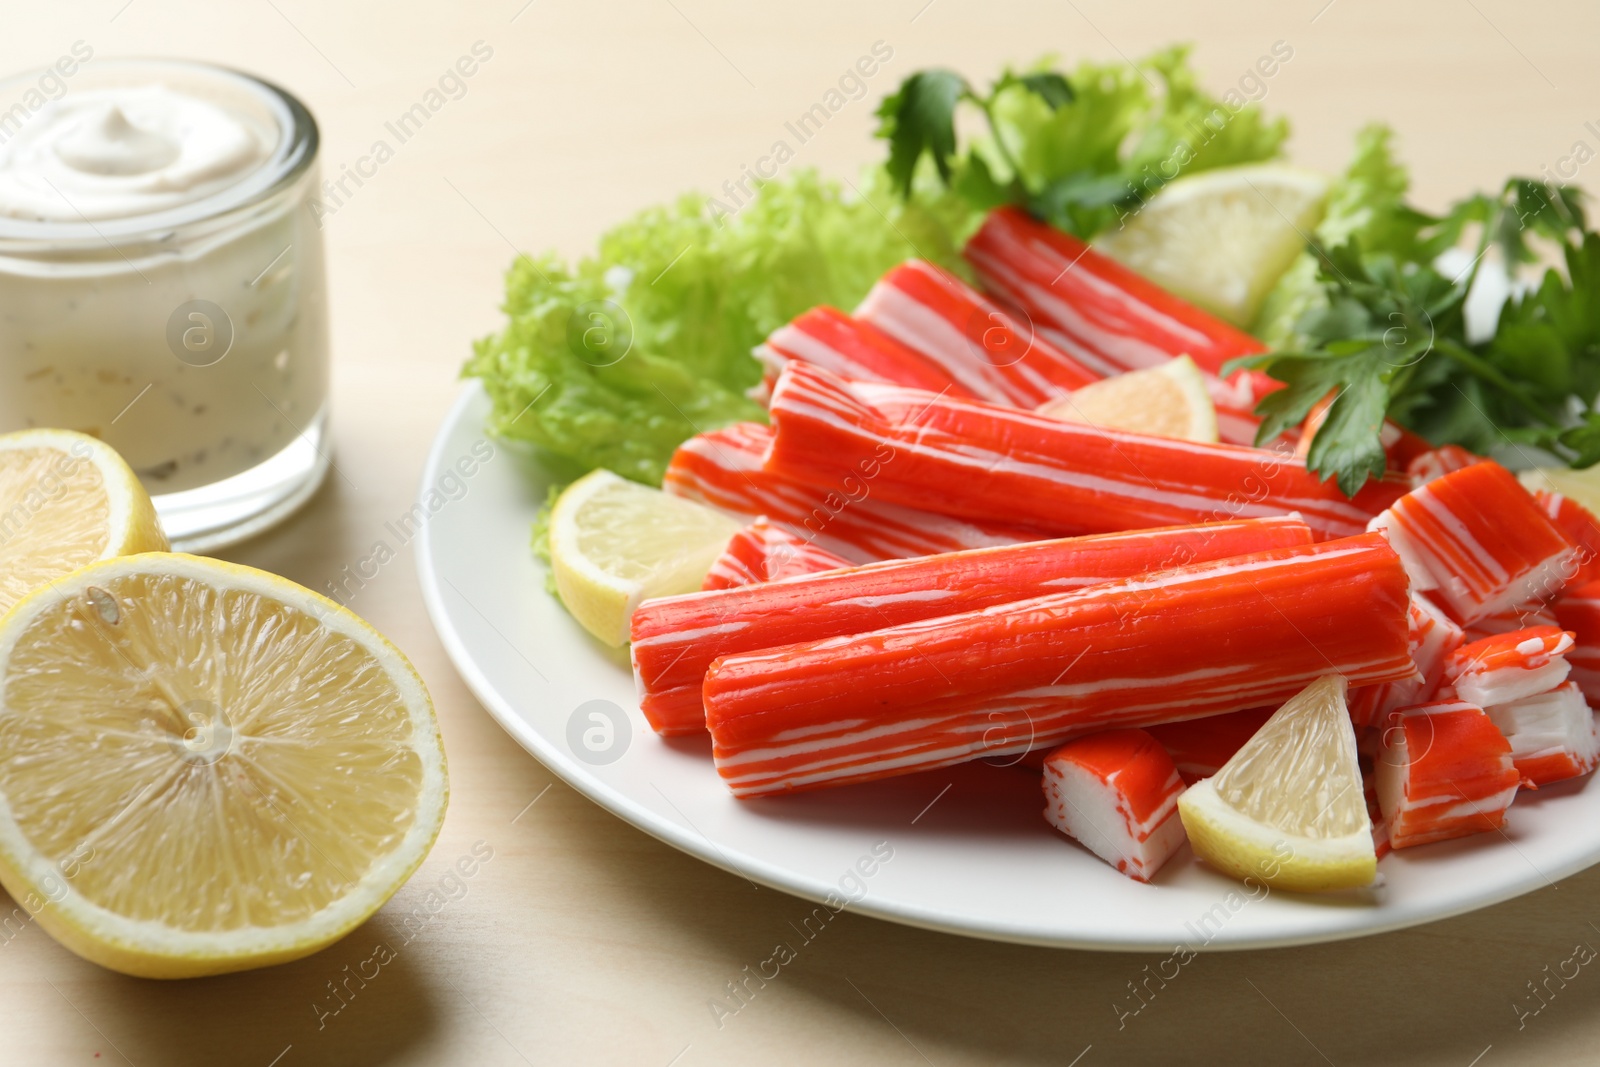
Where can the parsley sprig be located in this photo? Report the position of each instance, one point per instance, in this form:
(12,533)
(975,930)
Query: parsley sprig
(1390,337)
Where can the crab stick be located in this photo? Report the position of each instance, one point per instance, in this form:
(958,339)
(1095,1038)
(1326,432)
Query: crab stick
(762,552)
(1444,771)
(992,353)
(1552,734)
(723,469)
(1109,318)
(988,464)
(1437,462)
(1116,794)
(855,349)
(1521,617)
(1199,747)
(675,639)
(1578,613)
(1507,667)
(1581,527)
(1204,639)
(1476,537)
(1433,637)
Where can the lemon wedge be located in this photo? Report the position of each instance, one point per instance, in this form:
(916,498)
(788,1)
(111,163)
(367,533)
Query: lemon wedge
(614,543)
(1222,238)
(66,499)
(1288,809)
(1170,400)
(207,767)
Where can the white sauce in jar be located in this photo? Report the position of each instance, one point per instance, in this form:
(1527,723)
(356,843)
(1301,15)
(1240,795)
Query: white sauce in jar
(118,153)
(149,193)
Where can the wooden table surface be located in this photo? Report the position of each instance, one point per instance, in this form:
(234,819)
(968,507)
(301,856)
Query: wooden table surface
(583,940)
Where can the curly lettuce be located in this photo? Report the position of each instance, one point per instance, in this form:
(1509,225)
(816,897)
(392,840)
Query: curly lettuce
(615,360)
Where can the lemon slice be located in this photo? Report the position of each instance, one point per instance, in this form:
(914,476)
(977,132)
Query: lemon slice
(1288,809)
(1580,486)
(1222,238)
(66,499)
(206,767)
(1170,400)
(614,543)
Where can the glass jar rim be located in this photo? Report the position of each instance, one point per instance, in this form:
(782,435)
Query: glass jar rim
(291,157)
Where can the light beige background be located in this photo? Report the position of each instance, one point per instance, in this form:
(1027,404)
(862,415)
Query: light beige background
(582,940)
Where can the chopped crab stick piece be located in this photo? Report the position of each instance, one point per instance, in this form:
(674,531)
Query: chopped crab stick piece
(985,462)
(1437,462)
(1110,319)
(1433,637)
(1199,747)
(981,345)
(1578,612)
(1581,527)
(1507,667)
(723,469)
(762,552)
(1552,734)
(1444,771)
(1116,794)
(1204,639)
(1520,617)
(674,639)
(855,349)
(1477,537)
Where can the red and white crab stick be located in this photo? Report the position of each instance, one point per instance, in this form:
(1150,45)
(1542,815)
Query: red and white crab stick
(983,346)
(1578,613)
(1508,666)
(1198,640)
(762,552)
(1581,527)
(1444,771)
(1109,318)
(1116,793)
(989,463)
(1433,637)
(723,469)
(1477,539)
(855,349)
(675,639)
(1552,734)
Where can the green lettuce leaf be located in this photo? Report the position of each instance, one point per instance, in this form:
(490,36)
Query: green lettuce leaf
(617,359)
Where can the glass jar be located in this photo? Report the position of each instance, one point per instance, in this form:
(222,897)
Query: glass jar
(177,312)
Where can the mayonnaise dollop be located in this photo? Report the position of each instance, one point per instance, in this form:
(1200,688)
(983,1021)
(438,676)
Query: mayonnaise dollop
(115,154)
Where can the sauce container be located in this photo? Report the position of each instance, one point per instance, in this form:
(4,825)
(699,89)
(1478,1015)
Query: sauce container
(162,283)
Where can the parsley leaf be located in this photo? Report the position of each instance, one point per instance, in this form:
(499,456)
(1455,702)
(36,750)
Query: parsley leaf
(920,118)
(1079,150)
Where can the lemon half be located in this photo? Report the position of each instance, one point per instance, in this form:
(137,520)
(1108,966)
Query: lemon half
(206,767)
(66,499)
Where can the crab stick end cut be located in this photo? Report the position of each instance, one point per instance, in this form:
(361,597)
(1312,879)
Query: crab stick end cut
(1444,770)
(1478,539)
(1116,793)
(1551,734)
(1507,667)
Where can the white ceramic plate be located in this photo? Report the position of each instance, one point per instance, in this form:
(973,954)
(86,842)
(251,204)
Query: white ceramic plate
(968,850)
